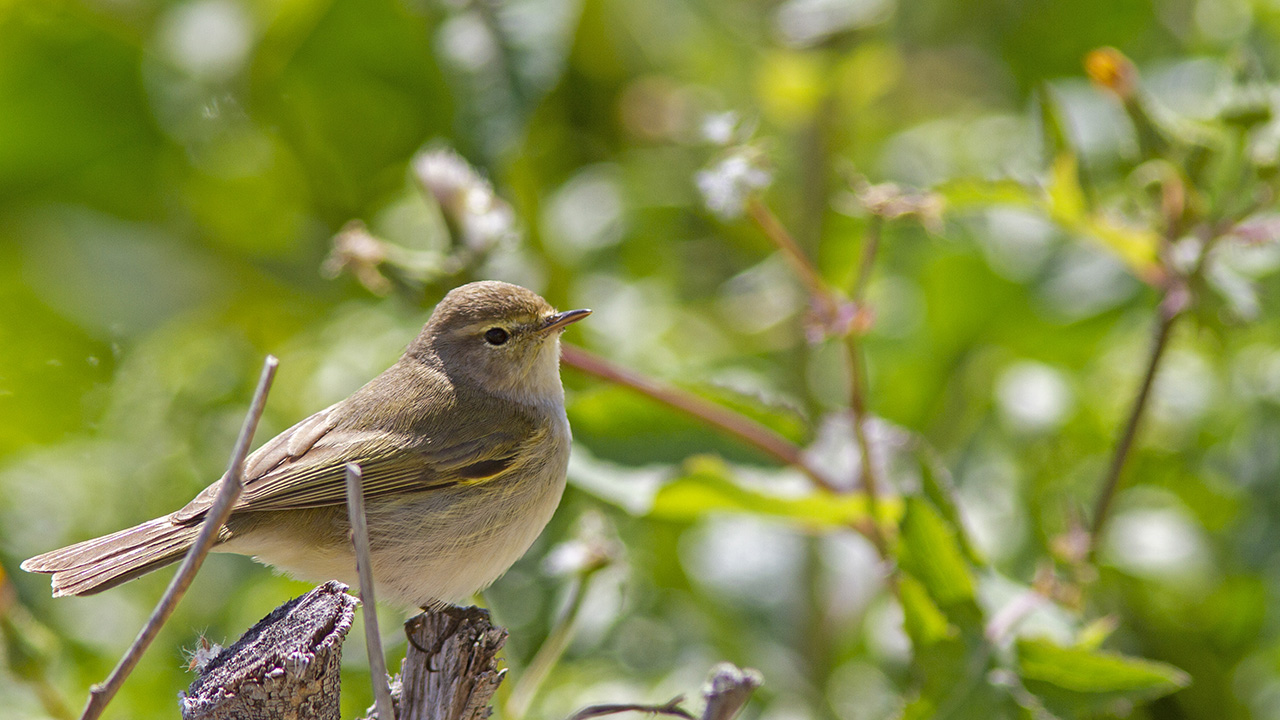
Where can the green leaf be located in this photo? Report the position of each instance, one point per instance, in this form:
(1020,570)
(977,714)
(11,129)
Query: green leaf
(1075,679)
(942,493)
(924,622)
(966,194)
(931,552)
(1092,636)
(1134,244)
(1067,203)
(707,486)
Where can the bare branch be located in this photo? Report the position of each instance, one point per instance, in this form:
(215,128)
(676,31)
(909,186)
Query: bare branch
(364,568)
(736,424)
(775,231)
(870,248)
(1169,314)
(228,493)
(728,689)
(671,707)
(858,387)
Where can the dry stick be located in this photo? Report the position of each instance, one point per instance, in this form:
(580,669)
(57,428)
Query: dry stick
(228,493)
(364,568)
(672,707)
(744,428)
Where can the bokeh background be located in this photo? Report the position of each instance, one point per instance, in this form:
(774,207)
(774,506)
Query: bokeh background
(173,175)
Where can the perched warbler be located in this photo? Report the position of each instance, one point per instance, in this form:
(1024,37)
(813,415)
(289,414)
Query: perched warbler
(463,445)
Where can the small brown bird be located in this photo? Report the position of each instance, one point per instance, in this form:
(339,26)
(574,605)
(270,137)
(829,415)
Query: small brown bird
(463,445)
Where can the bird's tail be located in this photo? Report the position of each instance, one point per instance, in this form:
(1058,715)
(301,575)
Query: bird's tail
(101,563)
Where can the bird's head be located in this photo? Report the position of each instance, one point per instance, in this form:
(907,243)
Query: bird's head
(502,337)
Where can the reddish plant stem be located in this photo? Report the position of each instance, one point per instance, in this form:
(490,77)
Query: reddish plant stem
(858,384)
(741,427)
(776,232)
(870,247)
(1175,301)
(1177,298)
(820,292)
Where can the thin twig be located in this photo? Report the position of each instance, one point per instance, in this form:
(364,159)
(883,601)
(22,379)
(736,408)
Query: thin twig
(740,426)
(870,475)
(775,231)
(1177,298)
(1170,310)
(228,493)
(870,247)
(671,707)
(364,568)
(858,387)
(820,292)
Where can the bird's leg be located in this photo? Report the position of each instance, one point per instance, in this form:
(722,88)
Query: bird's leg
(409,627)
(441,639)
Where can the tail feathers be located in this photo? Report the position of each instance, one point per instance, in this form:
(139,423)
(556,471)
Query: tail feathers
(101,563)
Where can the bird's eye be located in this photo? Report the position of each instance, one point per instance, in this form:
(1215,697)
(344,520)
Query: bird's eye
(496,336)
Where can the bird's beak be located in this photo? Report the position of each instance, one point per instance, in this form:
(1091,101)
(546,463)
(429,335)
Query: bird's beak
(560,321)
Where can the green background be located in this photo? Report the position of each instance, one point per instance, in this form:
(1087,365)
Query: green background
(172,175)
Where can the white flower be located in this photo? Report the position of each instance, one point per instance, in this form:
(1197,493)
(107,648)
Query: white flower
(467,199)
(726,185)
(719,128)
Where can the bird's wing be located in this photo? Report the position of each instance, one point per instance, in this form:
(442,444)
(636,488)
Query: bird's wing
(305,466)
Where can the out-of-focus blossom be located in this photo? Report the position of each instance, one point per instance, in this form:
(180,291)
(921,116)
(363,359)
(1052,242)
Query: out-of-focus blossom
(835,317)
(760,298)
(1185,389)
(357,250)
(1185,254)
(720,128)
(481,218)
(1109,69)
(467,43)
(1236,289)
(1258,229)
(1084,281)
(891,202)
(835,453)
(585,214)
(745,558)
(726,185)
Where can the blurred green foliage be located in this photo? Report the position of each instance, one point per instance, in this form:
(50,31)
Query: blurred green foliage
(173,176)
